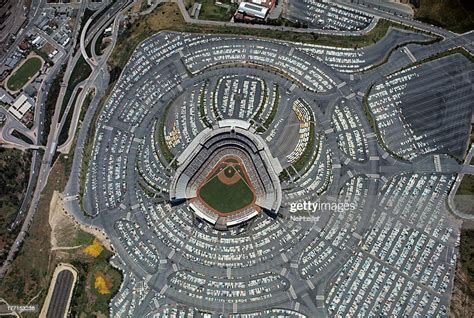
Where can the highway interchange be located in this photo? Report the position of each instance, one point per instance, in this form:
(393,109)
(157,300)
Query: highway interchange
(329,264)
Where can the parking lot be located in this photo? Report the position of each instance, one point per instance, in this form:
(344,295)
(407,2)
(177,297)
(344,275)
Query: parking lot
(394,253)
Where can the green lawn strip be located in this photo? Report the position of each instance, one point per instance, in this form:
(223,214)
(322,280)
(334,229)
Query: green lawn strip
(274,109)
(160,135)
(373,124)
(168,17)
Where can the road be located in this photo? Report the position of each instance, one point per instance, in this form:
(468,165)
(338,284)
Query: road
(42,173)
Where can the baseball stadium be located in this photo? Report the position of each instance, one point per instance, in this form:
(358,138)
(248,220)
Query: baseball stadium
(227,175)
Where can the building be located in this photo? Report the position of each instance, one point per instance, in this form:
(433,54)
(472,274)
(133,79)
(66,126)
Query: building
(5,97)
(265,3)
(250,12)
(21,105)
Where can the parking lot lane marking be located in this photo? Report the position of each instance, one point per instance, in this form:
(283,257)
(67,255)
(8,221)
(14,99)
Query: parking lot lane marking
(373,175)
(370,135)
(342,84)
(357,235)
(351,95)
(437,163)
(163,290)
(410,55)
(292,292)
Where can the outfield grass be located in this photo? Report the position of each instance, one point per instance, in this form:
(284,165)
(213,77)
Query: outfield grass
(226,198)
(23,74)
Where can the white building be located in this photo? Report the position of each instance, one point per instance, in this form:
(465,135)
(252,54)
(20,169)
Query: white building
(21,105)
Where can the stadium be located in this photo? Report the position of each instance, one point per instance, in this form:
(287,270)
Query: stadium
(227,175)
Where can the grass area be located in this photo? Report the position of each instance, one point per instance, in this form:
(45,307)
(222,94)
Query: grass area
(375,127)
(464,197)
(455,15)
(226,198)
(88,298)
(210,11)
(271,116)
(168,17)
(23,74)
(160,136)
(81,71)
(462,299)
(466,249)
(14,175)
(202,105)
(21,136)
(307,154)
(63,135)
(31,271)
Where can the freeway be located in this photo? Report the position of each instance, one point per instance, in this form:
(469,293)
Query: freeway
(57,123)
(43,172)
